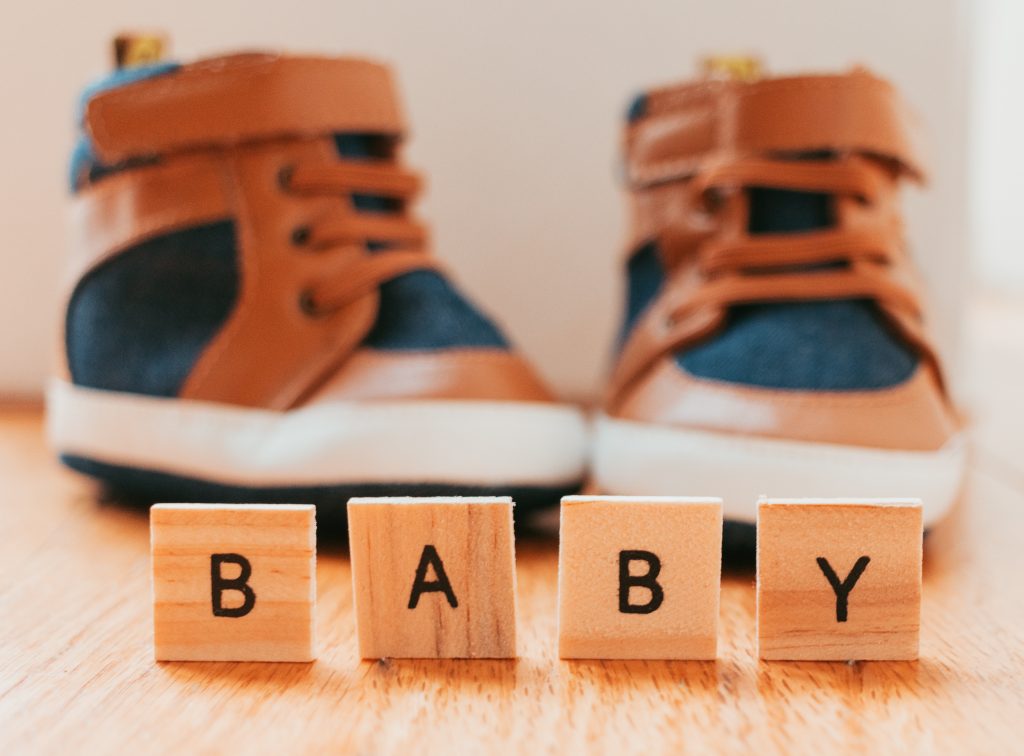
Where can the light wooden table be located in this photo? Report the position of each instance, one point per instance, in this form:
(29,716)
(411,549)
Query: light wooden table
(77,675)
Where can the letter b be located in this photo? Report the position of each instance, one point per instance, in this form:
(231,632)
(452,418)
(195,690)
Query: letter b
(219,584)
(648,580)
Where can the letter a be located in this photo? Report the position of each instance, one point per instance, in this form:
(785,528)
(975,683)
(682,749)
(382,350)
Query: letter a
(420,585)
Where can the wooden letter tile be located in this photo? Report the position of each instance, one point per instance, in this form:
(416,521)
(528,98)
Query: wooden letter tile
(433,577)
(639,577)
(233,582)
(839,579)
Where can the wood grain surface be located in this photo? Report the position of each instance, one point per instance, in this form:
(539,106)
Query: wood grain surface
(266,569)
(77,673)
(872,549)
(669,544)
(462,546)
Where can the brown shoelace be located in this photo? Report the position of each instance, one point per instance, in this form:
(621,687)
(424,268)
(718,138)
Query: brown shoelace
(773,267)
(347,231)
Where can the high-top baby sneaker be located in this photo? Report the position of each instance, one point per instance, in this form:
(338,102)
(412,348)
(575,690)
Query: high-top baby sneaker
(775,340)
(253,313)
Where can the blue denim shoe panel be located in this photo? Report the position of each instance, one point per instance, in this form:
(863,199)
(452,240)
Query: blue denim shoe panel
(422,310)
(139,322)
(838,345)
(841,345)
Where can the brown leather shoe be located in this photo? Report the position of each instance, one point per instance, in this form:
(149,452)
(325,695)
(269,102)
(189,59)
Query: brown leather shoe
(253,312)
(775,340)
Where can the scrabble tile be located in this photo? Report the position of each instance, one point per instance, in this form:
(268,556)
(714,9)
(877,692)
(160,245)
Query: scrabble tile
(233,582)
(839,580)
(433,577)
(639,577)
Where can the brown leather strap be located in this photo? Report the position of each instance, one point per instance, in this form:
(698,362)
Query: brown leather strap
(685,126)
(354,176)
(337,292)
(129,207)
(785,251)
(846,176)
(800,287)
(360,228)
(227,101)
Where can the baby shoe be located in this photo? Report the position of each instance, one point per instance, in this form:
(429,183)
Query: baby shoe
(253,313)
(775,340)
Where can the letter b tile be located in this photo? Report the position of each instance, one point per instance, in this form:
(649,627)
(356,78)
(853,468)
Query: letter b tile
(839,580)
(639,577)
(433,577)
(233,582)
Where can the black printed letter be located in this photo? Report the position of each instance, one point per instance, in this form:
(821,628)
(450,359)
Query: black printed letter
(842,589)
(648,580)
(429,558)
(219,584)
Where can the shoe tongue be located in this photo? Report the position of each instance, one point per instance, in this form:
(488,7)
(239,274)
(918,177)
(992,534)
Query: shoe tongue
(785,210)
(368,146)
(782,211)
(364,146)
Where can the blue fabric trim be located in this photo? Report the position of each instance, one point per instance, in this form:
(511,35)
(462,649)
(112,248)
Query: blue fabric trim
(139,322)
(645,276)
(637,108)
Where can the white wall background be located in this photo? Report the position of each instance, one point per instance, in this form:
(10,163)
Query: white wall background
(516,109)
(997,154)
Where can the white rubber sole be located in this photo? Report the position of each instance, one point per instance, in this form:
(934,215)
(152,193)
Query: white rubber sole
(645,459)
(473,443)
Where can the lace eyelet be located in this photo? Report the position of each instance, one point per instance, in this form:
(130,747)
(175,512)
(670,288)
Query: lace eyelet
(284,178)
(711,202)
(300,236)
(307,304)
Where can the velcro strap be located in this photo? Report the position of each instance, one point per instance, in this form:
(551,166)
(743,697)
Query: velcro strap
(856,112)
(227,101)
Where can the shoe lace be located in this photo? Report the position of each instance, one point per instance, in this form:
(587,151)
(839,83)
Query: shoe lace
(842,262)
(379,246)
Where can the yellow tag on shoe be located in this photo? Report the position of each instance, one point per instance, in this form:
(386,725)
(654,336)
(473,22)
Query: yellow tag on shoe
(139,49)
(735,67)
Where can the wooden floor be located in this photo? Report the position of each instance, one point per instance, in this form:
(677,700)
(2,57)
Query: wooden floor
(77,675)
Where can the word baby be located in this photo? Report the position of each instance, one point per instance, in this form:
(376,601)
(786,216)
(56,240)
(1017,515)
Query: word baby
(639,578)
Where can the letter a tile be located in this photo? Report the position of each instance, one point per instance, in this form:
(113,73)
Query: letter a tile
(433,577)
(233,582)
(838,580)
(639,577)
